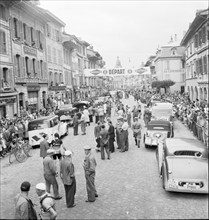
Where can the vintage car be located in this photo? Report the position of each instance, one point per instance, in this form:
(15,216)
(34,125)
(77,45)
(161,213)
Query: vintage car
(163,112)
(68,112)
(156,131)
(183,165)
(81,104)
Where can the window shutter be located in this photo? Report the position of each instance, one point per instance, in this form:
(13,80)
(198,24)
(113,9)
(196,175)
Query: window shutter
(29,35)
(18,29)
(10,78)
(7,14)
(38,68)
(1,80)
(12,27)
(42,40)
(44,70)
(15,66)
(23,67)
(36,38)
(21,30)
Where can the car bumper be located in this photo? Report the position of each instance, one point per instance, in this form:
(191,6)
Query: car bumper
(200,191)
(151,142)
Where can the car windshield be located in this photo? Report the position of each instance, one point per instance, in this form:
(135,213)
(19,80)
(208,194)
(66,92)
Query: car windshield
(158,127)
(36,125)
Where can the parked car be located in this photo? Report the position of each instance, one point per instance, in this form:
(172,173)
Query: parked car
(45,125)
(68,112)
(81,104)
(156,131)
(163,112)
(183,165)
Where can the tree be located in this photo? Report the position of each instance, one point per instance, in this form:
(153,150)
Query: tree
(162,84)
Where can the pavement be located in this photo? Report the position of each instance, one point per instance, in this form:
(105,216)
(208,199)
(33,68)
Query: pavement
(128,184)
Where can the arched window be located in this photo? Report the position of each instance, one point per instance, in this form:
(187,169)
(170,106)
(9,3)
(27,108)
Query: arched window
(3,45)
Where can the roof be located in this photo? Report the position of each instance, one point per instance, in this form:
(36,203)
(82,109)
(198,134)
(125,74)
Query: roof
(201,17)
(176,144)
(159,122)
(43,118)
(166,52)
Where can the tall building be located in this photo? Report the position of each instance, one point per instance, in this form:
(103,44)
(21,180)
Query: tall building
(169,64)
(27,25)
(196,43)
(8,94)
(54,51)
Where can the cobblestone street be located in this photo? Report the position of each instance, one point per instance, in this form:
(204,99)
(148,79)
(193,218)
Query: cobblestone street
(128,184)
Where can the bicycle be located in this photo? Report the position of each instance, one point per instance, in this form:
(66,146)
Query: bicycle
(19,151)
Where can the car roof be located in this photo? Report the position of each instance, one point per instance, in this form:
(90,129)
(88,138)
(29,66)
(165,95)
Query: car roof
(158,122)
(178,144)
(43,118)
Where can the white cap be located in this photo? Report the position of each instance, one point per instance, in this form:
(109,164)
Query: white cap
(87,147)
(41,186)
(68,153)
(50,151)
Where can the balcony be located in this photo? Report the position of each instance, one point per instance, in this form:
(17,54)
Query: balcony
(202,80)
(24,80)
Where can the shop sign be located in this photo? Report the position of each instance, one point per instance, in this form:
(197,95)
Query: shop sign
(30,51)
(7,100)
(57,88)
(33,87)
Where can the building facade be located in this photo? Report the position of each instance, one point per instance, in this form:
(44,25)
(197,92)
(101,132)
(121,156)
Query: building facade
(55,60)
(169,65)
(8,94)
(29,56)
(196,43)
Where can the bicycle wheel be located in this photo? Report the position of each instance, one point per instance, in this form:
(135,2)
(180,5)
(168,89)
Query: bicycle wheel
(20,155)
(26,148)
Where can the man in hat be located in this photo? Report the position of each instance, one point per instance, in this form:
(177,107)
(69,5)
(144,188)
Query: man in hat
(67,174)
(48,209)
(44,146)
(22,206)
(104,138)
(97,130)
(136,127)
(89,166)
(50,173)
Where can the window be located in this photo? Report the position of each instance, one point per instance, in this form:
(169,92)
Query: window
(204,34)
(54,55)
(34,66)
(167,65)
(55,79)
(200,66)
(24,31)
(5,79)
(191,48)
(2,13)
(60,78)
(27,65)
(18,65)
(200,37)
(48,29)
(49,54)
(3,46)
(57,35)
(196,41)
(41,68)
(205,64)
(16,25)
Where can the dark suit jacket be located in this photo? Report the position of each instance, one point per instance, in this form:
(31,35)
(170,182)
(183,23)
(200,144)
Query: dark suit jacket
(111,131)
(44,146)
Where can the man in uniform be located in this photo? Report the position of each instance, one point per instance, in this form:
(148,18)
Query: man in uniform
(48,209)
(89,166)
(67,174)
(136,127)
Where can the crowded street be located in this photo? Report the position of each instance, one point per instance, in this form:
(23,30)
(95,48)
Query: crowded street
(128,185)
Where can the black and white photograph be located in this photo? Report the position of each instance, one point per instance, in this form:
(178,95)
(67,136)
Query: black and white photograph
(104,109)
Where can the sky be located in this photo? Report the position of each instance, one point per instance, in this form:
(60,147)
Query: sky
(132,30)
